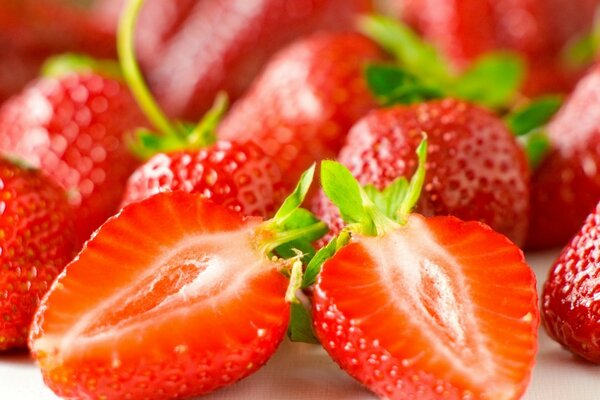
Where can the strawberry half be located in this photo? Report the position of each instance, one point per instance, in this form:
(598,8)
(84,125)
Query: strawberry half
(430,308)
(173,297)
(37,240)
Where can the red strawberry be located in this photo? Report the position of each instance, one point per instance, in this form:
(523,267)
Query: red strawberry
(475,171)
(173,297)
(37,240)
(239,176)
(301,107)
(570,297)
(430,308)
(539,29)
(72,127)
(566,186)
(222,45)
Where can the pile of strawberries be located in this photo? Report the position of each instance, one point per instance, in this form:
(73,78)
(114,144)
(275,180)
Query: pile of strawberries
(157,243)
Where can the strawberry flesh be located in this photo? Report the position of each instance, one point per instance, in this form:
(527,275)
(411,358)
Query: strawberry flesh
(170,298)
(436,309)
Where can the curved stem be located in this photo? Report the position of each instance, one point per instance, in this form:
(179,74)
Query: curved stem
(132,73)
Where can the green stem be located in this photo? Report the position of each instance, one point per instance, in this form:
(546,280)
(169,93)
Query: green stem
(132,72)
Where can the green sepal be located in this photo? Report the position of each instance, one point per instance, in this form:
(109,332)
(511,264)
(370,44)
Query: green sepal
(493,80)
(415,186)
(536,145)
(389,199)
(534,115)
(582,51)
(325,253)
(299,219)
(69,63)
(292,224)
(300,328)
(392,84)
(413,53)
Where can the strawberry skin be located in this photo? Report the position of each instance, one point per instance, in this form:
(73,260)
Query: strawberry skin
(305,101)
(73,128)
(569,300)
(566,186)
(170,299)
(210,56)
(436,309)
(37,240)
(475,169)
(238,176)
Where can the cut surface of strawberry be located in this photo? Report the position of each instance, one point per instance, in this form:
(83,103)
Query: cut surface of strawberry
(411,314)
(164,289)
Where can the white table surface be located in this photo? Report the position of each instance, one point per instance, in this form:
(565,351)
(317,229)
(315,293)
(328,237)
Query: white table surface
(303,372)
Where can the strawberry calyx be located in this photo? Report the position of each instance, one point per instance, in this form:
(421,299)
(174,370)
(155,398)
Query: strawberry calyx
(171,135)
(69,63)
(528,124)
(421,72)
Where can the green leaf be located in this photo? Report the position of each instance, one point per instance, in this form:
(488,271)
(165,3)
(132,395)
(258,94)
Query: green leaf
(64,64)
(534,115)
(325,253)
(145,144)
(291,249)
(413,193)
(343,190)
(493,80)
(417,56)
(296,198)
(536,145)
(301,219)
(301,326)
(394,85)
(389,200)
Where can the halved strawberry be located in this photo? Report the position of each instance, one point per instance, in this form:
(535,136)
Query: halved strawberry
(173,297)
(432,308)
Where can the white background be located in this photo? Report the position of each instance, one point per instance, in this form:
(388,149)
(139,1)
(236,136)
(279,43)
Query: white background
(304,372)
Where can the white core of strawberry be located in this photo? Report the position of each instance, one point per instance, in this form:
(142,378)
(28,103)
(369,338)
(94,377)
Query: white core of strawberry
(425,282)
(202,271)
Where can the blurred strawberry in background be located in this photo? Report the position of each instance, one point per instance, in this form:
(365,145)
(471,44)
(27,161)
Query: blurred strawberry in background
(191,49)
(539,29)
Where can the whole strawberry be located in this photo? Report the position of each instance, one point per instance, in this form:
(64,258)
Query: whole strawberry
(174,297)
(570,296)
(566,185)
(187,157)
(72,125)
(475,169)
(37,240)
(423,308)
(300,108)
(223,45)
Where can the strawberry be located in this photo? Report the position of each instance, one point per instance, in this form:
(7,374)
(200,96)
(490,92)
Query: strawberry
(174,297)
(211,56)
(476,170)
(566,186)
(237,175)
(427,308)
(538,29)
(302,105)
(569,298)
(71,124)
(37,240)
